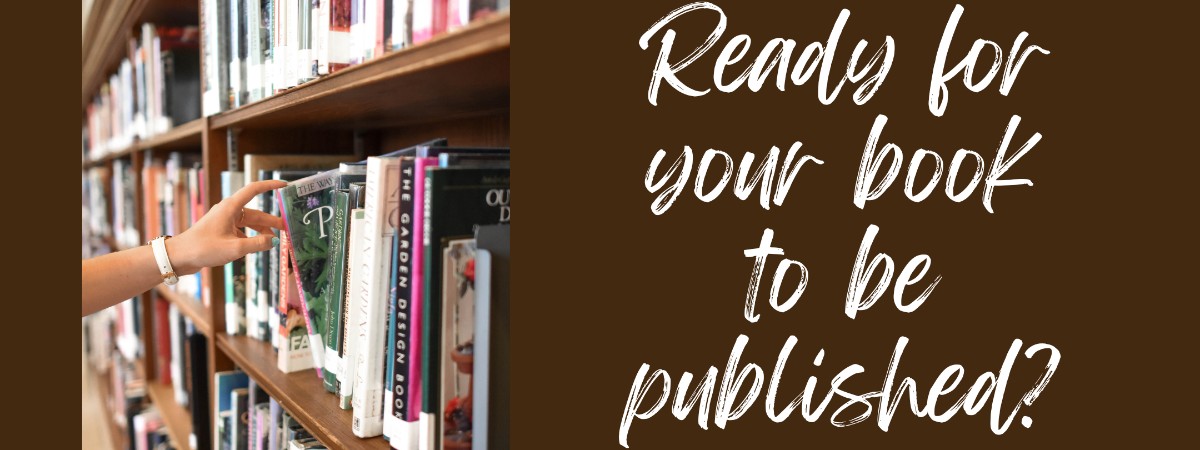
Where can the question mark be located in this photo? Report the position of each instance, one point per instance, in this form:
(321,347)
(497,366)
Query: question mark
(1040,386)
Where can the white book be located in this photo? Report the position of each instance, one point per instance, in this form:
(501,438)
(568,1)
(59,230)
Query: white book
(254,51)
(236,71)
(405,435)
(177,384)
(483,317)
(304,55)
(353,319)
(320,36)
(382,201)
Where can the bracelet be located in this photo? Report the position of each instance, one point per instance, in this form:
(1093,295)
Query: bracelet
(159,246)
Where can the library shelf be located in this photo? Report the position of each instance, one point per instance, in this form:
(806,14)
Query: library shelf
(454,74)
(176,418)
(186,136)
(101,381)
(110,25)
(190,307)
(302,394)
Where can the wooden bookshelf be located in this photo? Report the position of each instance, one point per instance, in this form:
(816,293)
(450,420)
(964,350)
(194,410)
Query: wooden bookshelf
(176,418)
(190,307)
(455,86)
(301,393)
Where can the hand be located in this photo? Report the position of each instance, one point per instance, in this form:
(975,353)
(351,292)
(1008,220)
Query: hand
(217,238)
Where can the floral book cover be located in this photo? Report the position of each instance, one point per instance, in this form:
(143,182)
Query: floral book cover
(458,334)
(307,204)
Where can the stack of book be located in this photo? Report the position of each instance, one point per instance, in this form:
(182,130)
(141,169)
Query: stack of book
(256,48)
(156,87)
(391,282)
(248,418)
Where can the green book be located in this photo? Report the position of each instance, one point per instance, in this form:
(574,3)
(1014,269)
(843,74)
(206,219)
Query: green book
(336,262)
(307,206)
(456,200)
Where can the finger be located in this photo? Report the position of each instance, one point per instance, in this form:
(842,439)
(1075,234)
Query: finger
(263,231)
(243,195)
(260,243)
(254,218)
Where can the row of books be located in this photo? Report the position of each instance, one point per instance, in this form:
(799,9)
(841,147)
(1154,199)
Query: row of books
(249,419)
(256,48)
(173,196)
(156,86)
(127,402)
(181,362)
(390,281)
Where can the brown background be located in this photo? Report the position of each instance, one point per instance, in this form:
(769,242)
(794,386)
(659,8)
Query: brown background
(1092,258)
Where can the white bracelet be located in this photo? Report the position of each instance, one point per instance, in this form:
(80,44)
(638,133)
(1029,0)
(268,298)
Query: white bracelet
(159,246)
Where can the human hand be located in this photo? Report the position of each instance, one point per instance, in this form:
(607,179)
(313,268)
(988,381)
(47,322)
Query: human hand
(217,238)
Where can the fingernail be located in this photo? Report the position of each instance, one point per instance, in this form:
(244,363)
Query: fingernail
(275,242)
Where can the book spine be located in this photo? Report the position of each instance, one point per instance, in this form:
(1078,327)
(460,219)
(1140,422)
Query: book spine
(381,198)
(383,27)
(253,50)
(236,71)
(390,424)
(305,67)
(338,42)
(419,354)
(401,24)
(336,270)
(353,322)
(235,299)
(402,332)
(422,20)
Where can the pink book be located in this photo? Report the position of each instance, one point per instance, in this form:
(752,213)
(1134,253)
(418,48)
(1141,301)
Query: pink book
(418,291)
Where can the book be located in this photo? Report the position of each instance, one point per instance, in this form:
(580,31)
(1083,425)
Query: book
(308,210)
(259,167)
(398,425)
(336,298)
(235,272)
(456,200)
(458,331)
(353,321)
(295,351)
(199,403)
(334,45)
(162,329)
(491,338)
(215,31)
(382,198)
(224,384)
(241,410)
(401,29)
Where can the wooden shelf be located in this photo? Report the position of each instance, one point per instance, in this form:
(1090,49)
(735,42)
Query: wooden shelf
(459,73)
(190,307)
(186,136)
(302,394)
(177,419)
(103,384)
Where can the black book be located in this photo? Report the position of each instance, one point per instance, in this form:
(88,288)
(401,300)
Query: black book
(181,79)
(457,199)
(492,343)
(199,402)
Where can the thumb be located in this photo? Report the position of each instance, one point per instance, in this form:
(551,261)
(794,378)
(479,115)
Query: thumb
(260,243)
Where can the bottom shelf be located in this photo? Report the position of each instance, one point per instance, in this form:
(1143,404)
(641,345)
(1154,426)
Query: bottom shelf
(302,394)
(177,419)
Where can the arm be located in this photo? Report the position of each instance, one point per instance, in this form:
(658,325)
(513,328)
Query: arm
(214,240)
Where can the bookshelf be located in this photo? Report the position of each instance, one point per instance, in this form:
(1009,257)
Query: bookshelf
(455,86)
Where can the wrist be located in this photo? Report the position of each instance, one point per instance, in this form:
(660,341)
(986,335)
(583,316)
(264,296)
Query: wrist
(179,253)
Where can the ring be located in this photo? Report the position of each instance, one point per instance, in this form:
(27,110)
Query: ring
(241,217)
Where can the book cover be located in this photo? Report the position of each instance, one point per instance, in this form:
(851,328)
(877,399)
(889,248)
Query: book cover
(295,352)
(259,167)
(491,337)
(458,353)
(308,210)
(456,200)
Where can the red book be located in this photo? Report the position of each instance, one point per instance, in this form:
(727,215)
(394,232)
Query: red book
(162,334)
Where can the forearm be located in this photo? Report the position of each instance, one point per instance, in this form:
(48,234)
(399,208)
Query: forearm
(115,277)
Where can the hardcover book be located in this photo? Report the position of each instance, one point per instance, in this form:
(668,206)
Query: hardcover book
(458,332)
(457,199)
(353,320)
(398,425)
(199,405)
(336,298)
(295,353)
(491,338)
(308,210)
(224,385)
